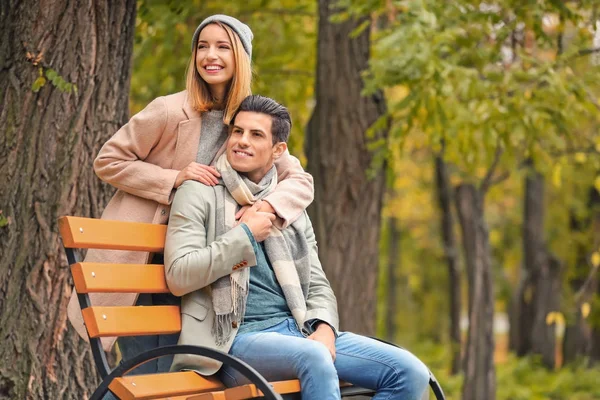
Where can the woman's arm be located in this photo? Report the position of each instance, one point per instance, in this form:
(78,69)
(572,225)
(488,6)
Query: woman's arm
(121,159)
(294,192)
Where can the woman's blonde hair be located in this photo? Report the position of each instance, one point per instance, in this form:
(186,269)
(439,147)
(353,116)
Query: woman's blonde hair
(239,88)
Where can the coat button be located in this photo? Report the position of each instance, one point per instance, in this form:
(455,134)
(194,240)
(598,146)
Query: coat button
(234,324)
(163,212)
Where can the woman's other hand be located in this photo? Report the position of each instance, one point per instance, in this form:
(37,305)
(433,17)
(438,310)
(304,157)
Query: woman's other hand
(198,172)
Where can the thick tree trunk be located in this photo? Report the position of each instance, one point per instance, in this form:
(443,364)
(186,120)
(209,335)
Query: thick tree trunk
(478,364)
(444,193)
(394,238)
(48,140)
(346,212)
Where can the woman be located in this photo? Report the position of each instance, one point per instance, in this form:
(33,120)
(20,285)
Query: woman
(172,140)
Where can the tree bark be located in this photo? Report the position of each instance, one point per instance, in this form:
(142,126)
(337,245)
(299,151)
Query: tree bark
(545,300)
(346,212)
(579,333)
(445,198)
(538,291)
(395,237)
(47,143)
(478,363)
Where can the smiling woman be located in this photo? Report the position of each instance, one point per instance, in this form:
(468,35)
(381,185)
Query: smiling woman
(175,139)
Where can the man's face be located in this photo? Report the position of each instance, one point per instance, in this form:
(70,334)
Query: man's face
(250,148)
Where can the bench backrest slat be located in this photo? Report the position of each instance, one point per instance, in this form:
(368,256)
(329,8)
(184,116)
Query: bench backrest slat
(131,321)
(90,233)
(119,278)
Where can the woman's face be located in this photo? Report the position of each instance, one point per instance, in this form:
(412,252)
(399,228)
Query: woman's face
(215,61)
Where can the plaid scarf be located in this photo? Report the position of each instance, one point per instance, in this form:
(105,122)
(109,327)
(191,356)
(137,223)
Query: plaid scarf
(287,251)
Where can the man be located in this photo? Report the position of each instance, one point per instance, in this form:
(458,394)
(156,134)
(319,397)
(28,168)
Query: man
(256,289)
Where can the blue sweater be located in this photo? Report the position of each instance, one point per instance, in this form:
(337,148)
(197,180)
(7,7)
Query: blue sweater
(266,305)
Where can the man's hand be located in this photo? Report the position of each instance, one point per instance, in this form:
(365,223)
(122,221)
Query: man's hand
(263,207)
(324,334)
(198,172)
(258,222)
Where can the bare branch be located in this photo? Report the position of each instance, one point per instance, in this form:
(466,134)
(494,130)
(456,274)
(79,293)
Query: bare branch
(586,290)
(487,181)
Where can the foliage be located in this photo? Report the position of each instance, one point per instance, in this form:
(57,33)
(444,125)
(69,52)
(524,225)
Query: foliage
(488,76)
(518,378)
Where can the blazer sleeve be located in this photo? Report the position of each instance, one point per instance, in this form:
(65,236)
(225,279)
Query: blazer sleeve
(321,303)
(191,263)
(294,192)
(121,159)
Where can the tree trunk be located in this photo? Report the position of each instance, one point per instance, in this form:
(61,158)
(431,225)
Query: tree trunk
(395,237)
(478,364)
(523,309)
(595,213)
(538,291)
(546,299)
(444,192)
(346,212)
(47,143)
(579,333)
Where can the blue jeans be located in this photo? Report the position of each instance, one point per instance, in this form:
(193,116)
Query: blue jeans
(282,352)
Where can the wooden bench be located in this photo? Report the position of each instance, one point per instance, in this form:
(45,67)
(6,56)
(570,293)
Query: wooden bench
(88,233)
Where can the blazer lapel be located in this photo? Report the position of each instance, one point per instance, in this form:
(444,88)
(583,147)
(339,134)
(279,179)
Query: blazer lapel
(188,138)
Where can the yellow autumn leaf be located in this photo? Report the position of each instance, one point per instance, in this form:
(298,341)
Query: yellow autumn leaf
(597,183)
(585,310)
(580,158)
(556,176)
(550,318)
(595,259)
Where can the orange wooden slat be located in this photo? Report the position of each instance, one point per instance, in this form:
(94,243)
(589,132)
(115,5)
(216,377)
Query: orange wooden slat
(93,233)
(156,386)
(209,396)
(119,278)
(131,321)
(251,391)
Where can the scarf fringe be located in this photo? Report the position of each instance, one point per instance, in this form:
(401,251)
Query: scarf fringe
(223,324)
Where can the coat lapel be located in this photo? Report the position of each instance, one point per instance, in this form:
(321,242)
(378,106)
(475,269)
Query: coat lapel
(188,137)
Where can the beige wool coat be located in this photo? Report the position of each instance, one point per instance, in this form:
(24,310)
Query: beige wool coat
(142,161)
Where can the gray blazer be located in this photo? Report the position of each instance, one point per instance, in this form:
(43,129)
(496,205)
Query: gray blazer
(194,259)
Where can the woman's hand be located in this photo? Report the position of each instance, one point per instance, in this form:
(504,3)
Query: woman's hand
(263,206)
(324,334)
(198,172)
(258,222)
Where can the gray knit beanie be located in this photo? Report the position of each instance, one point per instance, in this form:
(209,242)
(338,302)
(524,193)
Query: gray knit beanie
(242,30)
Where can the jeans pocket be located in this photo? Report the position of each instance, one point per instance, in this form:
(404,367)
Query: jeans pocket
(293,328)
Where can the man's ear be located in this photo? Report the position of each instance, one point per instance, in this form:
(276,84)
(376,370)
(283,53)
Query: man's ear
(279,149)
